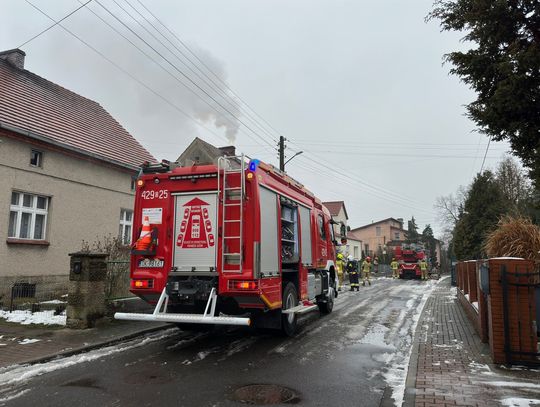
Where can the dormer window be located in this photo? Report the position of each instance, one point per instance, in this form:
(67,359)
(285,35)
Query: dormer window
(36,158)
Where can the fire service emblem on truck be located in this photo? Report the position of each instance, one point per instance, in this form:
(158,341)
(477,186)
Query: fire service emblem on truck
(196,226)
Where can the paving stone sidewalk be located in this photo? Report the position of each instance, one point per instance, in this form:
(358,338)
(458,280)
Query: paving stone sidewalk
(21,344)
(450,366)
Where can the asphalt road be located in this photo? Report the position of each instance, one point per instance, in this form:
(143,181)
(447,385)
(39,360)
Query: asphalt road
(356,356)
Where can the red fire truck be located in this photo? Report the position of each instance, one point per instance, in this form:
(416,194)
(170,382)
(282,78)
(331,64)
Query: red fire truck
(408,257)
(236,243)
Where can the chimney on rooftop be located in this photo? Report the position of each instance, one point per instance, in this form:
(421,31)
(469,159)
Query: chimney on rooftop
(14,56)
(228,151)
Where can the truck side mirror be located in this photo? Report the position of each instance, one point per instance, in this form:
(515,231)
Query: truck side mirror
(343,233)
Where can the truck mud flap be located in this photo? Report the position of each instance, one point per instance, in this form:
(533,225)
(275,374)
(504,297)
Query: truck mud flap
(207,318)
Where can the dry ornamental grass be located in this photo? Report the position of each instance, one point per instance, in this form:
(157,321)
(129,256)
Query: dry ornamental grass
(514,237)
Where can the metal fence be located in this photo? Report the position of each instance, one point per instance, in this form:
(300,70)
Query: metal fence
(45,293)
(33,295)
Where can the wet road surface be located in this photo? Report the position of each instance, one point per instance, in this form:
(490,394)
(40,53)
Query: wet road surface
(356,356)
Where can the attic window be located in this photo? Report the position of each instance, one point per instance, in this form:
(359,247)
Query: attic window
(36,158)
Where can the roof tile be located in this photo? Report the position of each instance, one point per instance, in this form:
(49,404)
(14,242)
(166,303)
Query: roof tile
(32,103)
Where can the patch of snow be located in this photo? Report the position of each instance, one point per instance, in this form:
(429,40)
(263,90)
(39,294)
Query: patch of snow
(375,335)
(14,396)
(26,341)
(506,258)
(475,305)
(468,297)
(522,385)
(22,373)
(53,302)
(519,402)
(396,374)
(27,318)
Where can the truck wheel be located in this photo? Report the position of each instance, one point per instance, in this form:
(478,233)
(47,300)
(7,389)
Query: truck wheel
(327,306)
(290,300)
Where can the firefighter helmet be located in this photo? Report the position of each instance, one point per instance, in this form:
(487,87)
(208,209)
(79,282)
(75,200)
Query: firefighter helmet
(350,258)
(340,256)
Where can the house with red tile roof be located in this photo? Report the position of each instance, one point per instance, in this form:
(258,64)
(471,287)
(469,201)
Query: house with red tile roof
(353,247)
(68,175)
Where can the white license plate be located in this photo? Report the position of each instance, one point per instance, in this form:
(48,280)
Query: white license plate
(150,263)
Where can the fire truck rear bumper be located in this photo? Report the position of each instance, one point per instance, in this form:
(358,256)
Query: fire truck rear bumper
(184,318)
(163,316)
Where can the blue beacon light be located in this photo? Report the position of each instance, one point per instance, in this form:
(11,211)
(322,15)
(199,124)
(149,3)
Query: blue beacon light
(253,164)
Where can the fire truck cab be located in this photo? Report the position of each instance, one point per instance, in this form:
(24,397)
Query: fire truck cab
(235,243)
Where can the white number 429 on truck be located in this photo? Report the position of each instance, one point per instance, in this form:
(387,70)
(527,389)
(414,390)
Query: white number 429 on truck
(237,243)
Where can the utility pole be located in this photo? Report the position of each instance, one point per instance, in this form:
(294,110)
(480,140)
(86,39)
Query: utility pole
(282,153)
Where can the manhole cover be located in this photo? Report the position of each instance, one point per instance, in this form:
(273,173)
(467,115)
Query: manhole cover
(265,394)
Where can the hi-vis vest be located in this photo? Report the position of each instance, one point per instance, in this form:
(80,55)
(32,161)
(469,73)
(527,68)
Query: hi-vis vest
(423,265)
(394,265)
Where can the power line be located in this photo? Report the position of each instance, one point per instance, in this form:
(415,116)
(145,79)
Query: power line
(124,71)
(182,73)
(223,93)
(484,160)
(53,25)
(210,70)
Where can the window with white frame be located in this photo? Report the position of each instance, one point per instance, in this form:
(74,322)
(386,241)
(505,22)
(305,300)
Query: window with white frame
(28,216)
(126,223)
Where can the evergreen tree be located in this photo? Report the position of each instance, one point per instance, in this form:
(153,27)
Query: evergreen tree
(484,205)
(430,243)
(412,235)
(502,67)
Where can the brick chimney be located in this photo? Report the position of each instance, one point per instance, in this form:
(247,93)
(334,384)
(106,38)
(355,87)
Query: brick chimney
(14,56)
(228,151)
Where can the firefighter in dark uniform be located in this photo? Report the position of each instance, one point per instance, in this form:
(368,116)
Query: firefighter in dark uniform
(352,269)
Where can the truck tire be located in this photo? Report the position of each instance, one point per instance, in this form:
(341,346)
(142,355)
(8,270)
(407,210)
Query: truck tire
(326,307)
(290,300)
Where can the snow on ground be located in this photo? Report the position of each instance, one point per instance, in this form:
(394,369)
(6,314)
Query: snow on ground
(21,373)
(375,335)
(398,366)
(27,341)
(53,302)
(519,402)
(27,317)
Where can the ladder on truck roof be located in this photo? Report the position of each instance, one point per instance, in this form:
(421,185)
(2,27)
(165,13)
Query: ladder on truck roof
(228,215)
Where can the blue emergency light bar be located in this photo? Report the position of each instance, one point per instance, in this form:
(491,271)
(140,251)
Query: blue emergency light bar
(253,164)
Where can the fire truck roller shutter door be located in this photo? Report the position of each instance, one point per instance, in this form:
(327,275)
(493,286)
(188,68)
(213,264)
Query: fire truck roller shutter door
(194,247)
(269,253)
(305,226)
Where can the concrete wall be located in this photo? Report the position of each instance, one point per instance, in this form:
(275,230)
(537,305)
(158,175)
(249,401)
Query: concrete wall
(86,198)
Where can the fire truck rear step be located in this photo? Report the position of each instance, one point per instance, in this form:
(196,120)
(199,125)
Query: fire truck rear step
(206,318)
(300,309)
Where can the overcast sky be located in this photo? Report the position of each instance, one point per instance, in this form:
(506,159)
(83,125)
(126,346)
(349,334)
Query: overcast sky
(358,86)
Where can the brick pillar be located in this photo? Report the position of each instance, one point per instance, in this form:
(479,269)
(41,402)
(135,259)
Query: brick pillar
(86,299)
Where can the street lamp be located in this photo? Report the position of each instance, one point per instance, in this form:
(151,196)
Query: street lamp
(298,153)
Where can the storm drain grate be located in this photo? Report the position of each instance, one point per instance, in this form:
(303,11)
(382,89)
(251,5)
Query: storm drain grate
(265,394)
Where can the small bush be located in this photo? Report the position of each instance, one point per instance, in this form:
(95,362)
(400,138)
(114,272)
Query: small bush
(514,237)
